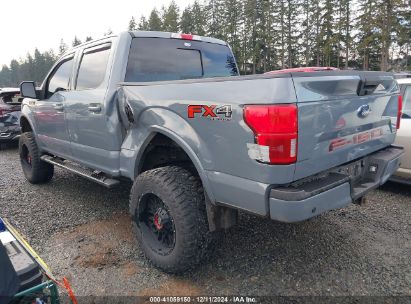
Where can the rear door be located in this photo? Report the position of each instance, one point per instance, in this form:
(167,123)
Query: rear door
(49,111)
(91,113)
(404,133)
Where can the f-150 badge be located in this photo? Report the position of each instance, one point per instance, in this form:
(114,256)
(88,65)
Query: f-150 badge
(212,112)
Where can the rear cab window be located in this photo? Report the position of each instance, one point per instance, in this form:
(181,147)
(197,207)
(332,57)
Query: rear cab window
(163,59)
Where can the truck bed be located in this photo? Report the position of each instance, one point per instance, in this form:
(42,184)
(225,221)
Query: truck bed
(331,130)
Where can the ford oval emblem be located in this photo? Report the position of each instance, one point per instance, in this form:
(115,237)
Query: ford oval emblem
(364,111)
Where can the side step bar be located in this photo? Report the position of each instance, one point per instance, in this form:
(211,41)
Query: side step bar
(95,176)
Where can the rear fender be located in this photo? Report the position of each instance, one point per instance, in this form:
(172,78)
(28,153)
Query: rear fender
(163,121)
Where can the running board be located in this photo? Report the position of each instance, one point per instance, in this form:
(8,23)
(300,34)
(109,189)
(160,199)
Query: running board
(95,176)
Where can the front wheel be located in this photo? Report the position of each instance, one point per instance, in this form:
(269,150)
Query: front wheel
(168,209)
(35,170)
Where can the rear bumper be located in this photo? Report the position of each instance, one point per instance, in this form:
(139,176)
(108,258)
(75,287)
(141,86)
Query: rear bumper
(333,189)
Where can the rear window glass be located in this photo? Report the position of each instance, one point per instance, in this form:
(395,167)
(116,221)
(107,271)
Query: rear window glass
(11,98)
(160,59)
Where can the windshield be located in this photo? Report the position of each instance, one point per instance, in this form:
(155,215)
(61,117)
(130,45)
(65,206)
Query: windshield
(161,59)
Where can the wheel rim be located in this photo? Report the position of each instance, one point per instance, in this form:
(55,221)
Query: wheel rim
(156,224)
(25,156)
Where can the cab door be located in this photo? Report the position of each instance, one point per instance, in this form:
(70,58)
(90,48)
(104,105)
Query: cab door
(92,114)
(49,111)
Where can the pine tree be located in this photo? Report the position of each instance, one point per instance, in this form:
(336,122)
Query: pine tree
(62,47)
(367,36)
(214,12)
(143,24)
(88,38)
(346,24)
(388,23)
(327,34)
(404,34)
(170,17)
(154,22)
(5,76)
(306,31)
(317,32)
(27,68)
(292,8)
(15,75)
(187,21)
(38,65)
(274,35)
(282,31)
(199,19)
(251,47)
(132,24)
(76,41)
(233,22)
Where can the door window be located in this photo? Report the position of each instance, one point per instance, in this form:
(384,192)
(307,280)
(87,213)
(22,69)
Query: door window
(92,68)
(59,81)
(406,110)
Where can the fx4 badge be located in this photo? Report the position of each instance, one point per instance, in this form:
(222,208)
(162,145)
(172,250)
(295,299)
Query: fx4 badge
(212,112)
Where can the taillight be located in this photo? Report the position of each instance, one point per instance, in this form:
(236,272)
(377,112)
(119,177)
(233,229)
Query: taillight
(275,127)
(399,113)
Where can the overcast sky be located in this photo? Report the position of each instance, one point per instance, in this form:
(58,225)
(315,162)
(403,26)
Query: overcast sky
(27,24)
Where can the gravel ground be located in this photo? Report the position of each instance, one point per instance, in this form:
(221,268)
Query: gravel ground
(83,231)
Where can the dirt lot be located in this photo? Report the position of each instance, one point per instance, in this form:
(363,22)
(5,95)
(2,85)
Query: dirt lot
(83,231)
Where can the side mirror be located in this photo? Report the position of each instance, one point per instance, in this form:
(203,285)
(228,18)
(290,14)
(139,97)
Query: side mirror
(28,89)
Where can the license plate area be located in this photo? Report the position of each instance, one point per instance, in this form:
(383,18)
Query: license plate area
(355,170)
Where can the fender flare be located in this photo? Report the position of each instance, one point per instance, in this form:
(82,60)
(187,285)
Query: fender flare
(24,117)
(187,149)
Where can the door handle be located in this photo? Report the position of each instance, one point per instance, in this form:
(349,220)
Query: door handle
(58,106)
(94,108)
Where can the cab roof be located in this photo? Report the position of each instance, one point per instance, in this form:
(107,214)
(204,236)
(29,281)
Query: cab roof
(153,34)
(158,34)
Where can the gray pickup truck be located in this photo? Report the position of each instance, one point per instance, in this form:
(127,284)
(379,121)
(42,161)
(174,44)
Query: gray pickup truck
(170,113)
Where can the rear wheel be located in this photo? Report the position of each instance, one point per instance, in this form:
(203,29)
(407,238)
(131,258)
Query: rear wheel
(168,209)
(35,170)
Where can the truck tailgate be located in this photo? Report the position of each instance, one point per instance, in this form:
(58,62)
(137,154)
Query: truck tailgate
(343,117)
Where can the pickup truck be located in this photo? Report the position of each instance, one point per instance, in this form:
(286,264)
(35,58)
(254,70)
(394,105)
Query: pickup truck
(170,112)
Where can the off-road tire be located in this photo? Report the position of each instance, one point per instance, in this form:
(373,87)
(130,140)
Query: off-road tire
(37,171)
(183,195)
